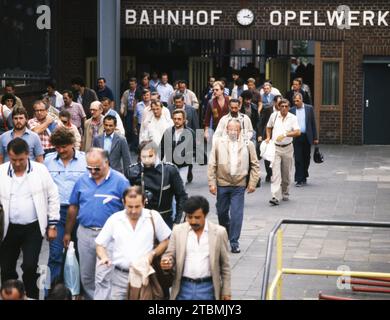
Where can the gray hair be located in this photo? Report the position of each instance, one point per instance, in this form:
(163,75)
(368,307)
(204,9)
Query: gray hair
(235,121)
(298,94)
(98,151)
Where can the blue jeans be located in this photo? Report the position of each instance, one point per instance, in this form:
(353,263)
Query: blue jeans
(196,291)
(231,199)
(56,247)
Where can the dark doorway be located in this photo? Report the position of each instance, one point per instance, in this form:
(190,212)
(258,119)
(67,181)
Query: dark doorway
(376,105)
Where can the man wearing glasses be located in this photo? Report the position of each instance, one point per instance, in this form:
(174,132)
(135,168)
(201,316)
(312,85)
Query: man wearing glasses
(43,124)
(282,127)
(95,197)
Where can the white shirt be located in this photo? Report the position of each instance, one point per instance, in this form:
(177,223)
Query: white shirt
(148,113)
(197,261)
(178,133)
(129,244)
(274,91)
(233,145)
(282,126)
(22,207)
(153,129)
(165,91)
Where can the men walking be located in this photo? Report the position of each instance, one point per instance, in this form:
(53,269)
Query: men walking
(131,234)
(66,166)
(115,144)
(94,198)
(161,182)
(178,144)
(20,130)
(282,127)
(217,107)
(233,169)
(43,124)
(302,144)
(127,110)
(153,128)
(83,95)
(31,210)
(93,126)
(198,249)
(76,110)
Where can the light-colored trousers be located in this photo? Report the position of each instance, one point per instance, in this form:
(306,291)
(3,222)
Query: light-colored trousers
(120,281)
(95,278)
(281,171)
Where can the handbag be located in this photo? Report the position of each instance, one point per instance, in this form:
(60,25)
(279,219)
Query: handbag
(318,157)
(165,279)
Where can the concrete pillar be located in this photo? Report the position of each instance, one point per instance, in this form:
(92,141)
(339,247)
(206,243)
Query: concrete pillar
(109,55)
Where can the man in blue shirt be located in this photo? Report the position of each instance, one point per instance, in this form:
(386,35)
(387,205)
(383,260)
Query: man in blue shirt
(95,197)
(66,166)
(103,91)
(19,119)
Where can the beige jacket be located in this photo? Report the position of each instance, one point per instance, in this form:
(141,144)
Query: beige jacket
(220,164)
(88,138)
(219,257)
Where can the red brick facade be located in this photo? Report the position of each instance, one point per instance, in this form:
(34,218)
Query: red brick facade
(342,125)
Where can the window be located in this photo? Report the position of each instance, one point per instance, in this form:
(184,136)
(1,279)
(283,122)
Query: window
(330,83)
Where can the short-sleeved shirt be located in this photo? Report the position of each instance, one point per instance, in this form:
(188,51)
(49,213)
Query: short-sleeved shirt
(66,177)
(30,137)
(98,202)
(77,113)
(281,126)
(131,244)
(139,111)
(45,135)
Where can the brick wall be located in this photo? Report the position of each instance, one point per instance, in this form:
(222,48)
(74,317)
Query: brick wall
(79,22)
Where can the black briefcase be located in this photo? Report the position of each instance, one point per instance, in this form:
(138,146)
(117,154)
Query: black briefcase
(318,157)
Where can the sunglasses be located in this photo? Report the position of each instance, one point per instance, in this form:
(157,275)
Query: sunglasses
(285,106)
(97,169)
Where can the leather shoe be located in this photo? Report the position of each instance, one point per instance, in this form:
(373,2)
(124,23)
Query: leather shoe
(236,249)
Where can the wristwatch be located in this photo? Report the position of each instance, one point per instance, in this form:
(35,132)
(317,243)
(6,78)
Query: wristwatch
(54,227)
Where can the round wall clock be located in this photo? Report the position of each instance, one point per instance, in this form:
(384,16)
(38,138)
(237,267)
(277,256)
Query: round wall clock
(245,17)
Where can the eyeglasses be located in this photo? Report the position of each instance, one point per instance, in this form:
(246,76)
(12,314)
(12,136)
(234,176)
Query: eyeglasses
(39,110)
(97,169)
(284,106)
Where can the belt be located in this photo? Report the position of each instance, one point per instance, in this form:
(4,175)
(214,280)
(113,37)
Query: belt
(122,270)
(199,280)
(94,228)
(282,145)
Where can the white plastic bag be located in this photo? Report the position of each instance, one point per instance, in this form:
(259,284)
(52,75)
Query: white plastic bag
(267,150)
(72,271)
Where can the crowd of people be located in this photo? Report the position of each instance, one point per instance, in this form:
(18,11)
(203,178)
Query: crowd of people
(67,174)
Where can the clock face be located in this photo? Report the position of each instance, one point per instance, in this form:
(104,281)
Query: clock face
(245,17)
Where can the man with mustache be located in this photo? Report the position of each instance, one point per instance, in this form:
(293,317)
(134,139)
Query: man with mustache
(199,251)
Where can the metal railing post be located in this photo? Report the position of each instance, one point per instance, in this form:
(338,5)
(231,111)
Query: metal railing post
(279,263)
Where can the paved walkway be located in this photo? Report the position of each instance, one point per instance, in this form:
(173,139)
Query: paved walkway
(352,184)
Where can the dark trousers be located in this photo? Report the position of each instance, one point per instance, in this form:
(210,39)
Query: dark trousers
(230,210)
(302,149)
(27,238)
(268,169)
(132,139)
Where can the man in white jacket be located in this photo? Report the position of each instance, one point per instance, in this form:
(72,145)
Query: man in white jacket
(31,206)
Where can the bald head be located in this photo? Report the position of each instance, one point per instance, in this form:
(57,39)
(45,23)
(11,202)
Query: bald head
(97,163)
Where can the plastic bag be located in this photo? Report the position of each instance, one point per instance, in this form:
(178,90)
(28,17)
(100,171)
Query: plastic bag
(267,150)
(72,271)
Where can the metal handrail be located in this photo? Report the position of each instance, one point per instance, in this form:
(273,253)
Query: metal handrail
(271,236)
